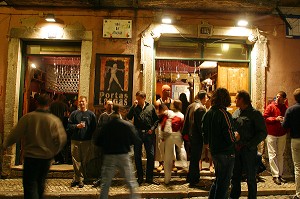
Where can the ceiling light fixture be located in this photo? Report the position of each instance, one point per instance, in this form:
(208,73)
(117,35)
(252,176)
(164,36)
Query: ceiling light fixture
(242,23)
(50,18)
(166,20)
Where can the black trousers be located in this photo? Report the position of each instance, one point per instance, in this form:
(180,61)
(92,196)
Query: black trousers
(196,145)
(34,176)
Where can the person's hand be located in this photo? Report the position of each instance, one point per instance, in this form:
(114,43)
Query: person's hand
(237,136)
(150,131)
(279,118)
(80,125)
(135,103)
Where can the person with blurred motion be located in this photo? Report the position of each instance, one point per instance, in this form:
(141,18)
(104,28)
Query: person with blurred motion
(276,139)
(145,121)
(291,121)
(219,137)
(115,139)
(60,109)
(192,134)
(171,134)
(103,119)
(160,145)
(251,126)
(82,124)
(43,136)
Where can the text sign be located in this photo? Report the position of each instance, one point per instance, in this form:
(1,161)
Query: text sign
(114,28)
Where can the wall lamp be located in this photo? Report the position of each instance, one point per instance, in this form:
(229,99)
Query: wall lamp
(166,20)
(50,18)
(242,23)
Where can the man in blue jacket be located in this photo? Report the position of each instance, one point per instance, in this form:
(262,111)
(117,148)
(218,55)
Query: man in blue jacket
(82,124)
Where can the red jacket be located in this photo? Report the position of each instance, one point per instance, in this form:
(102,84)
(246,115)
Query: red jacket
(272,111)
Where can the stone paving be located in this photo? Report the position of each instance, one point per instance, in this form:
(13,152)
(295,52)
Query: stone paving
(178,188)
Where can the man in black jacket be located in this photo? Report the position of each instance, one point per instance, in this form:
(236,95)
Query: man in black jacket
(145,121)
(251,126)
(115,138)
(219,136)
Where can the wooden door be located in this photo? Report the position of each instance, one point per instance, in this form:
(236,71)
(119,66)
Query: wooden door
(233,77)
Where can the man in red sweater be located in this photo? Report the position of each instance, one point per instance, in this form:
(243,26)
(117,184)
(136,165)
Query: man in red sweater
(276,139)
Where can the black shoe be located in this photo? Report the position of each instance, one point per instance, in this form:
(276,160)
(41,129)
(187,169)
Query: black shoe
(74,183)
(140,180)
(80,184)
(277,180)
(282,179)
(97,183)
(152,182)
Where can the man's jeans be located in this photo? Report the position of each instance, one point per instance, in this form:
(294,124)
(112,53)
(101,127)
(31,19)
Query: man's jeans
(124,165)
(148,140)
(223,171)
(245,162)
(34,176)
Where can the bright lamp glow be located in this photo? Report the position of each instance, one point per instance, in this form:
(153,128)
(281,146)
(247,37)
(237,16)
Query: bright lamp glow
(166,20)
(242,23)
(50,18)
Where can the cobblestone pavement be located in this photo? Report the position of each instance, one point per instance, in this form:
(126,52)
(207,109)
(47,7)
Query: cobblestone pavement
(178,188)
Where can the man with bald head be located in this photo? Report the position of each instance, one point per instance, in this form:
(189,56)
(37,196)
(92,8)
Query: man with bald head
(104,117)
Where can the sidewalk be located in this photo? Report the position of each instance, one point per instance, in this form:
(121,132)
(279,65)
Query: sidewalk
(178,188)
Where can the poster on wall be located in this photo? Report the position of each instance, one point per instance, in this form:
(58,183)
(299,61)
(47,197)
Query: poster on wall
(113,79)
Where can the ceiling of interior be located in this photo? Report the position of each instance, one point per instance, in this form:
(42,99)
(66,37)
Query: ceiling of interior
(256,6)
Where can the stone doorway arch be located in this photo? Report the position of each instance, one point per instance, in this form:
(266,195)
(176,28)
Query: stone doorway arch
(14,68)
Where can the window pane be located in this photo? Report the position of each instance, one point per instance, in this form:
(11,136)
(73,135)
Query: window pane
(221,51)
(175,49)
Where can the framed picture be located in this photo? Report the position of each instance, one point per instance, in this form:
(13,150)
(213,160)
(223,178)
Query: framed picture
(113,79)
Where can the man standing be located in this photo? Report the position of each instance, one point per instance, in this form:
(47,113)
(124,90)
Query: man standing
(276,138)
(291,121)
(192,128)
(145,121)
(103,119)
(115,138)
(44,136)
(251,126)
(105,116)
(82,124)
(218,135)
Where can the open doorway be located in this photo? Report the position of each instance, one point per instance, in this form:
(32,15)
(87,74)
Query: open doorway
(52,69)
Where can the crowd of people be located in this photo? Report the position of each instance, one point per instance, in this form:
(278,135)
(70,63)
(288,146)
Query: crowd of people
(205,132)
